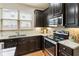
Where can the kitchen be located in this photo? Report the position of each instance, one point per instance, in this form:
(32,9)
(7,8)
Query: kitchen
(39,29)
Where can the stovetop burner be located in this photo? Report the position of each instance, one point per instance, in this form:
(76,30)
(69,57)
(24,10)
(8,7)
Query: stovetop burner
(56,39)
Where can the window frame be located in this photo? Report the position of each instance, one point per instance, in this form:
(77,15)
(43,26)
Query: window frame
(18,21)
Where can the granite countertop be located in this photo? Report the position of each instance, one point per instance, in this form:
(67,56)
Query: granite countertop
(70,44)
(28,35)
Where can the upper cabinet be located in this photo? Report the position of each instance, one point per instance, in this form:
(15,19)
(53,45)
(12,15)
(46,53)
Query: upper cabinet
(40,20)
(55,15)
(9,14)
(55,9)
(71,15)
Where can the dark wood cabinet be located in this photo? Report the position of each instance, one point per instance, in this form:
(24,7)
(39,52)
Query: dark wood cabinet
(64,51)
(55,9)
(55,15)
(71,15)
(36,43)
(22,46)
(28,44)
(67,50)
(40,18)
(8,43)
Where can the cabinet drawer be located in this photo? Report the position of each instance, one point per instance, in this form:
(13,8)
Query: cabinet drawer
(65,49)
(10,43)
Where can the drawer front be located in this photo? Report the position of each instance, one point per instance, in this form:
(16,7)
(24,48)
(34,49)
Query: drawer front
(65,49)
(10,43)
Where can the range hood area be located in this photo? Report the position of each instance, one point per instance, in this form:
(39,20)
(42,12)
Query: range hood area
(39,29)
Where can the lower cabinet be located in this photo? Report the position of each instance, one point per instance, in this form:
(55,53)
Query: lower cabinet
(10,43)
(65,51)
(36,43)
(28,44)
(22,46)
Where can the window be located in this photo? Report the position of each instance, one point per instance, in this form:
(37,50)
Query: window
(0,13)
(0,19)
(9,14)
(9,25)
(25,15)
(25,25)
(13,19)
(0,24)
(25,20)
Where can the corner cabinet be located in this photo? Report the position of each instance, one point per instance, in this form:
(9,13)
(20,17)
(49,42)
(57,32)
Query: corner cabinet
(40,18)
(71,15)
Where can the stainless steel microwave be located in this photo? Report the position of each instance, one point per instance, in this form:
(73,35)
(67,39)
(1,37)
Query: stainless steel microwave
(54,22)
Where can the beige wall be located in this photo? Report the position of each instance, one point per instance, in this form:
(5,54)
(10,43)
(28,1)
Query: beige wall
(17,6)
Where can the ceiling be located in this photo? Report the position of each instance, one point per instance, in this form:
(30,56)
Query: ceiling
(38,5)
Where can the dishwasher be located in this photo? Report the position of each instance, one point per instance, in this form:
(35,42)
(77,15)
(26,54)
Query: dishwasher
(9,51)
(1,48)
(8,47)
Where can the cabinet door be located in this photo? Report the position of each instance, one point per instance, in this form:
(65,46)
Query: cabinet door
(32,42)
(22,46)
(9,14)
(71,14)
(35,43)
(38,18)
(27,45)
(10,43)
(50,9)
(56,9)
(38,43)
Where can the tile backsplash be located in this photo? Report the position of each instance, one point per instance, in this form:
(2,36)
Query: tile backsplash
(73,32)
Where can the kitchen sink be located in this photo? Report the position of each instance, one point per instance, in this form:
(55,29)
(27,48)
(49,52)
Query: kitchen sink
(16,36)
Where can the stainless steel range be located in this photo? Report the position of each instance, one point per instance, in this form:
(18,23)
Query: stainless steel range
(51,41)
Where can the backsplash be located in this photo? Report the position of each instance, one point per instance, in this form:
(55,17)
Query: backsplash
(73,32)
(10,33)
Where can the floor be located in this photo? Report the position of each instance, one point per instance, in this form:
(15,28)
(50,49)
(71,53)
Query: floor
(37,53)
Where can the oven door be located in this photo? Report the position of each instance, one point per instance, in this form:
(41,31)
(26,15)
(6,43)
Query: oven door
(50,48)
